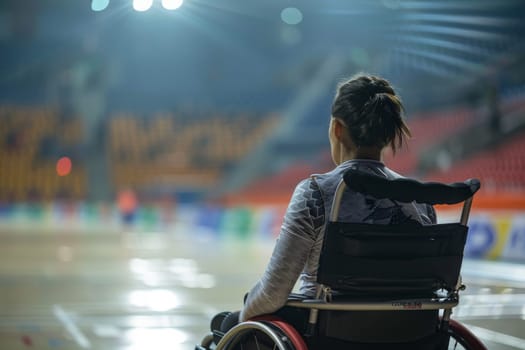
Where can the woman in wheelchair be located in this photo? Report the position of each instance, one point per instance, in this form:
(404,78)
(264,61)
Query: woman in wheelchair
(333,241)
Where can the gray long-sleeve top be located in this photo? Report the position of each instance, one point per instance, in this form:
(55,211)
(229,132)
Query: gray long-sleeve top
(296,253)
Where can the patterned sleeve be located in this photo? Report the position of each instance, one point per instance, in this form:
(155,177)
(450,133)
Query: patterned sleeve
(298,233)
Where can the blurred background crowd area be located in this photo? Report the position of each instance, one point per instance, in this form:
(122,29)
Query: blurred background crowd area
(153,111)
(166,154)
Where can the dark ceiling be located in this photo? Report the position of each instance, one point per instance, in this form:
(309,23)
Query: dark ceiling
(241,54)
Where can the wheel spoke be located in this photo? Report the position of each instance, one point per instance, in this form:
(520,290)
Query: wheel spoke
(256,342)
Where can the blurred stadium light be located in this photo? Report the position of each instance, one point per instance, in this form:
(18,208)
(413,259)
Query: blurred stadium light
(292,15)
(172,4)
(138,5)
(142,5)
(99,5)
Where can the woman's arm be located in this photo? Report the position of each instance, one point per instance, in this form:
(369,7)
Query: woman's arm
(289,256)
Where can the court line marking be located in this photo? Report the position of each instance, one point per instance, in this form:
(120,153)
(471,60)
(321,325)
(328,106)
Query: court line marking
(497,337)
(71,327)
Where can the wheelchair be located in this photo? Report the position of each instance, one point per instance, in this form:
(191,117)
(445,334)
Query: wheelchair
(380,286)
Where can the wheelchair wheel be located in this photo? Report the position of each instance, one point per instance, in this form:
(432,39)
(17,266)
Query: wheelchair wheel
(462,338)
(264,334)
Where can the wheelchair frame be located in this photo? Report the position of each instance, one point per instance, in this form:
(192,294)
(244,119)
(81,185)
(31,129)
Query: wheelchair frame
(323,300)
(285,338)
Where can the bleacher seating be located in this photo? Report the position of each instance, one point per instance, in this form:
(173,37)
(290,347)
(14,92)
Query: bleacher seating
(32,140)
(427,129)
(182,152)
(179,151)
(500,169)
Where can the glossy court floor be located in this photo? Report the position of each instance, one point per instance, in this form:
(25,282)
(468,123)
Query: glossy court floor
(154,290)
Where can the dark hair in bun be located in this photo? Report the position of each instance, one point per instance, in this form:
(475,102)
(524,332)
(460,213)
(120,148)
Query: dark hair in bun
(372,112)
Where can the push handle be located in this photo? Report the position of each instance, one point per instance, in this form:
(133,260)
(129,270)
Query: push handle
(408,190)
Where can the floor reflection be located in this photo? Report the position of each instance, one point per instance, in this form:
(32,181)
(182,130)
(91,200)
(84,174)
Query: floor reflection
(155,338)
(159,272)
(159,291)
(160,300)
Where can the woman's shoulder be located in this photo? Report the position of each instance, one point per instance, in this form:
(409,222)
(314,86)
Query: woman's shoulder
(307,185)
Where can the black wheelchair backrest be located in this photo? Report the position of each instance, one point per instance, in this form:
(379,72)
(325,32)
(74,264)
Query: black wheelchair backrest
(406,259)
